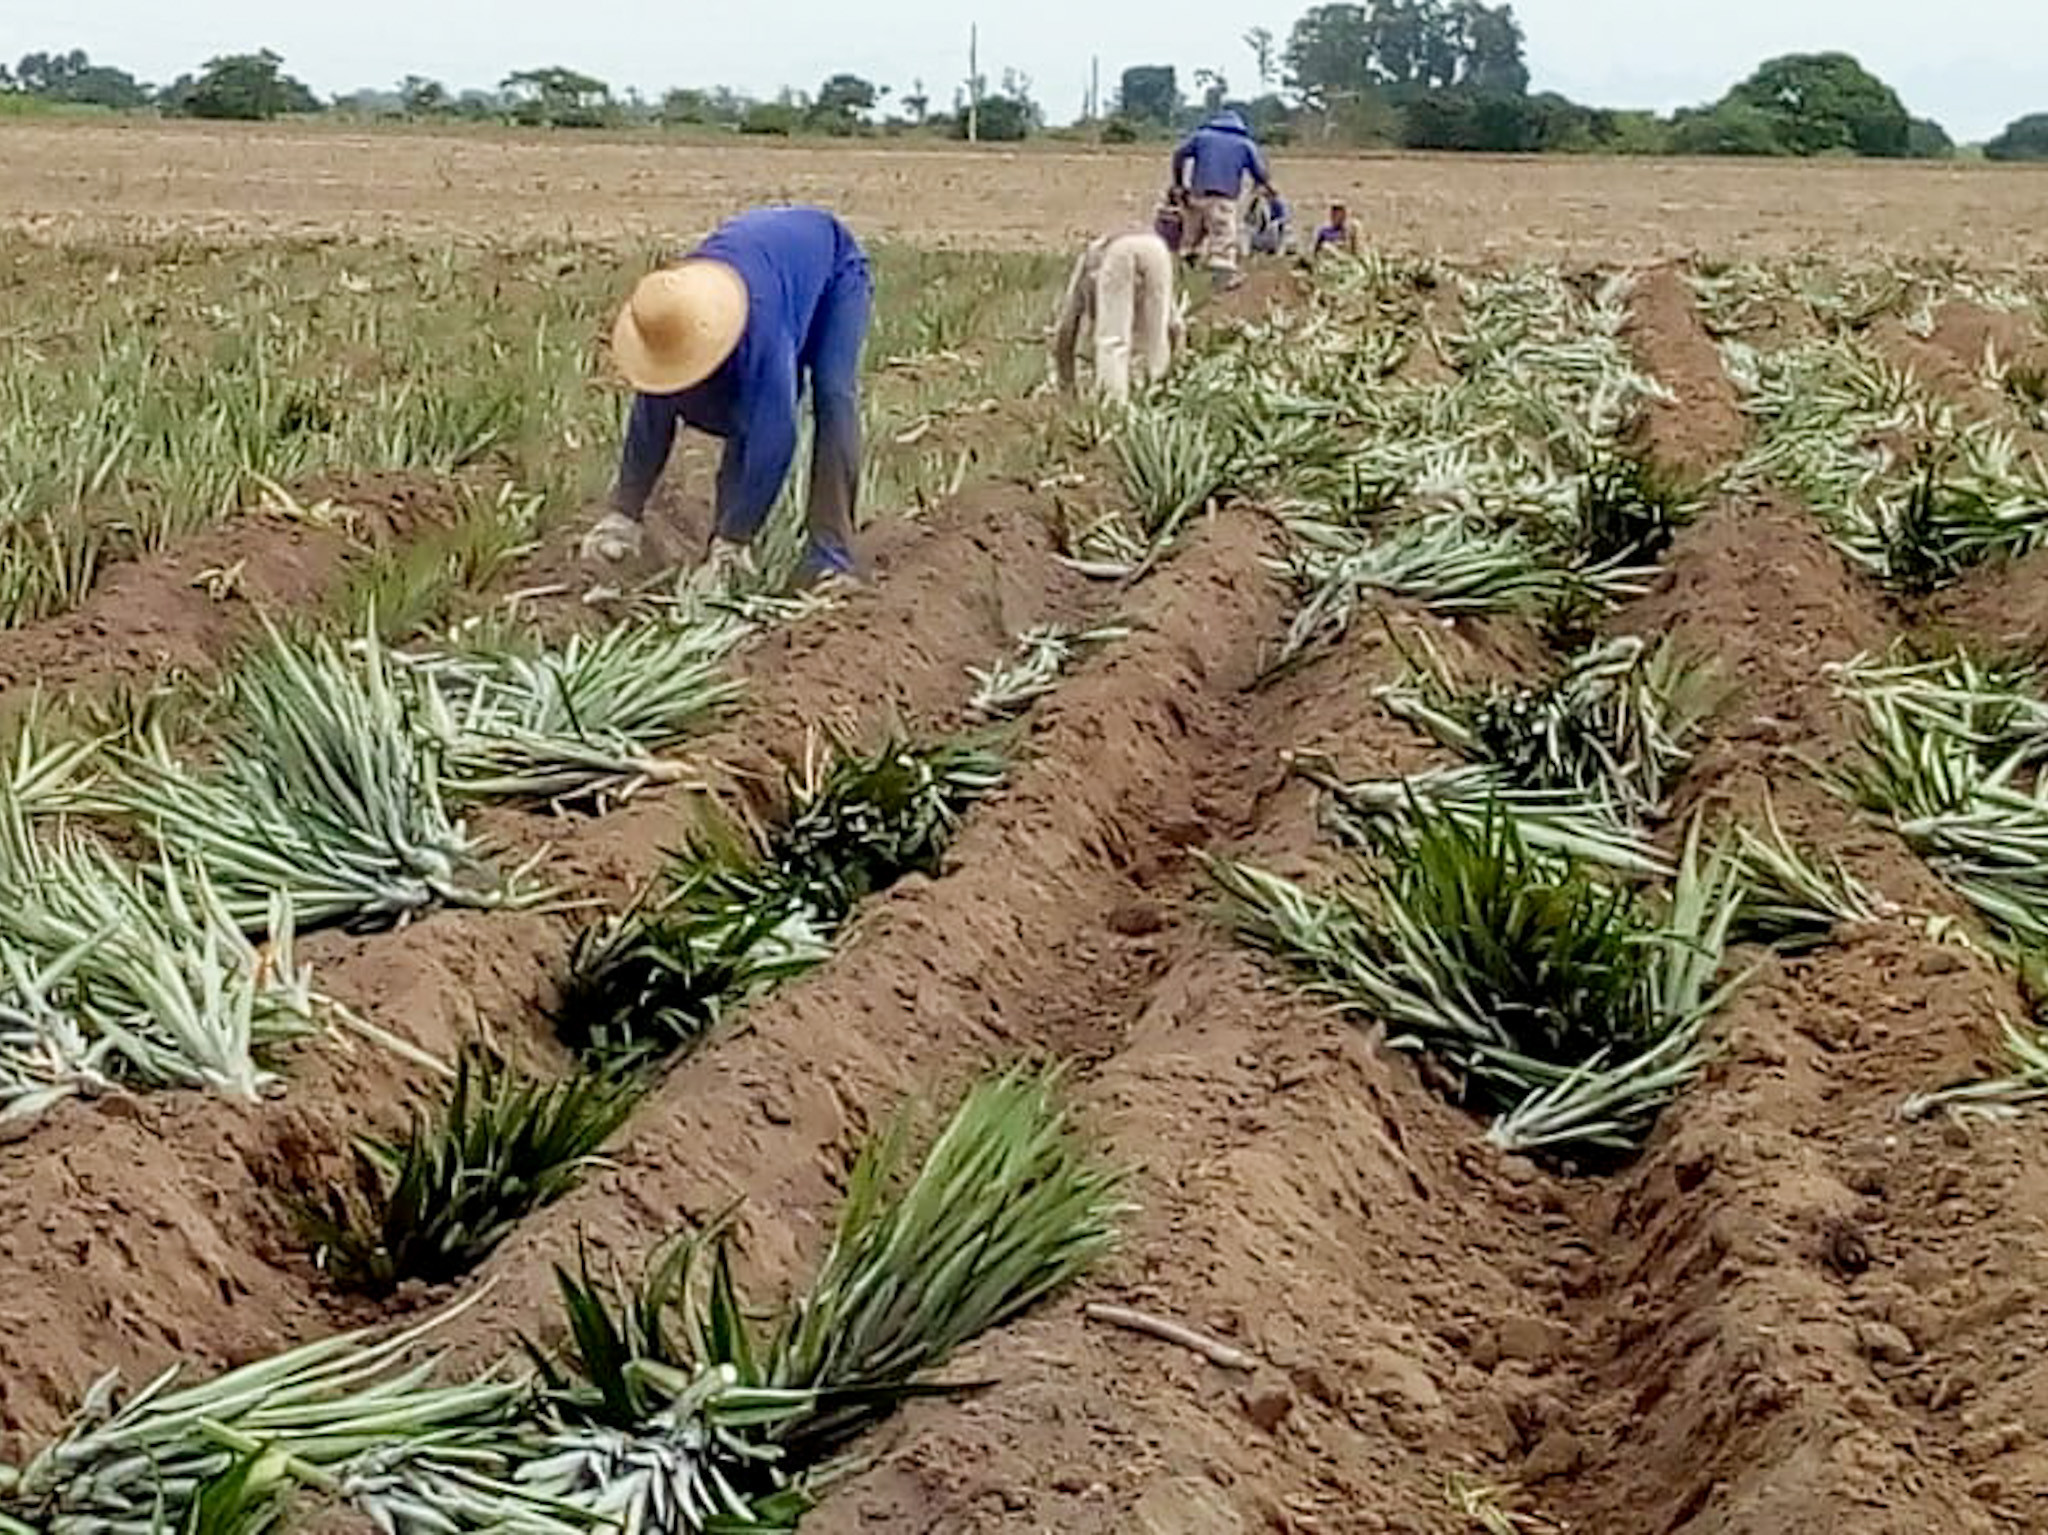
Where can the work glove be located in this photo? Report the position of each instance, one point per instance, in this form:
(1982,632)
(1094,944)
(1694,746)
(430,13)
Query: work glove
(612,538)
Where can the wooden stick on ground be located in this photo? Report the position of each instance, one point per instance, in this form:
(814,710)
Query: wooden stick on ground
(1171,1332)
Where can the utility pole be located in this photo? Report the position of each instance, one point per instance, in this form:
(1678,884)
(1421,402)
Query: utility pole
(974,84)
(1095,89)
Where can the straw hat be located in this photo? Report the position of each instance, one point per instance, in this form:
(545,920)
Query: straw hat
(679,326)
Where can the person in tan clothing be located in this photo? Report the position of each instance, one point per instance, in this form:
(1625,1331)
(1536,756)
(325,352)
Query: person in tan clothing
(1121,297)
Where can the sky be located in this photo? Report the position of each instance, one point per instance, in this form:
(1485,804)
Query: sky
(1972,64)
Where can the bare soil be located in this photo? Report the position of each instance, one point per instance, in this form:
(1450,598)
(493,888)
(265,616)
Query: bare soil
(261,183)
(1795,1313)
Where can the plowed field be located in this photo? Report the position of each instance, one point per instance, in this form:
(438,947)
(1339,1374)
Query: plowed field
(1794,1309)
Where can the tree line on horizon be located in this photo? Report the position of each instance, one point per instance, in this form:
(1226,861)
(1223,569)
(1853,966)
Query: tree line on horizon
(1414,74)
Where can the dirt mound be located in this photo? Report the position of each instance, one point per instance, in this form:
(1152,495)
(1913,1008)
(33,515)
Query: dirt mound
(1268,285)
(186,608)
(1795,1313)
(1974,335)
(2004,607)
(147,617)
(1702,427)
(176,1186)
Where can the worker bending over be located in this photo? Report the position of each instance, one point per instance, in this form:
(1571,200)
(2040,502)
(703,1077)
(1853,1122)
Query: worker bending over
(726,339)
(1121,297)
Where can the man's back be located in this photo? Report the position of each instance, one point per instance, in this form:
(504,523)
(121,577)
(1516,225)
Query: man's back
(1222,154)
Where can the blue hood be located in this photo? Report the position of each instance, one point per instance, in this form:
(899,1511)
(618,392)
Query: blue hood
(1228,122)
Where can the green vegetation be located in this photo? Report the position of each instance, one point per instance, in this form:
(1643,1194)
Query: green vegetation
(151,395)
(670,1407)
(1565,1004)
(737,915)
(2024,139)
(324,801)
(239,87)
(1810,104)
(438,1201)
(1418,74)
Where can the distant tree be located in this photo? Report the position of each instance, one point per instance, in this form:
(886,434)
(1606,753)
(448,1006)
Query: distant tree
(842,102)
(1150,93)
(917,104)
(1498,122)
(1341,52)
(240,87)
(1636,133)
(1926,139)
(2023,139)
(1265,54)
(1827,103)
(717,107)
(1328,53)
(555,97)
(773,118)
(73,77)
(421,97)
(1731,128)
(1214,88)
(1269,116)
(7,81)
(1006,118)
(372,103)
(1491,49)
(480,106)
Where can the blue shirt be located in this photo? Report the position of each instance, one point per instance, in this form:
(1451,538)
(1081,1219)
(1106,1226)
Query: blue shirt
(1223,154)
(808,296)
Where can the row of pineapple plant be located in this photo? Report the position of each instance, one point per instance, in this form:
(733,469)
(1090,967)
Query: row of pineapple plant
(1916,491)
(1520,917)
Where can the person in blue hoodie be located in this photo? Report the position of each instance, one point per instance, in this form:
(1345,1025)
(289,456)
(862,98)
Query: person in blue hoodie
(1211,167)
(726,339)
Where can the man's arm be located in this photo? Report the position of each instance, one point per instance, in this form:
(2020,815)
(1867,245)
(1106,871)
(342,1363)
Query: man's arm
(1181,156)
(650,437)
(759,452)
(1261,175)
(836,438)
(1066,337)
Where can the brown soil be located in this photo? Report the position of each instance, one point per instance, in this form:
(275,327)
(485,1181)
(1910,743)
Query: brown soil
(178,1186)
(149,617)
(1758,1353)
(1702,427)
(155,616)
(1969,333)
(263,182)
(1795,1313)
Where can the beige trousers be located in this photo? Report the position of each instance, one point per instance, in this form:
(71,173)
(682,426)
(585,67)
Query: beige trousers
(1216,231)
(1121,294)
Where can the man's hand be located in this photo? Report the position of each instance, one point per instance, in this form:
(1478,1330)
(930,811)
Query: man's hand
(726,565)
(613,537)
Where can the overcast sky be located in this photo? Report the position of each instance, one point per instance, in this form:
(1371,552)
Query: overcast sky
(1973,64)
